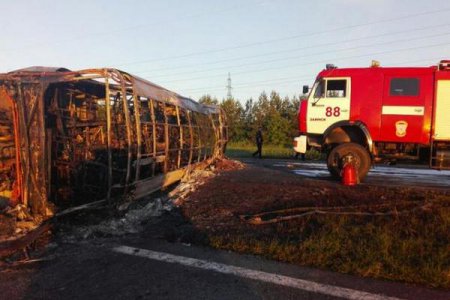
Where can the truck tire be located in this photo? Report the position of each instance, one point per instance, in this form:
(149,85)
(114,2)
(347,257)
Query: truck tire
(360,155)
(335,172)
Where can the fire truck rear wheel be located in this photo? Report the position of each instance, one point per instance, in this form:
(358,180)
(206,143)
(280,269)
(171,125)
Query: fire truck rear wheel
(361,158)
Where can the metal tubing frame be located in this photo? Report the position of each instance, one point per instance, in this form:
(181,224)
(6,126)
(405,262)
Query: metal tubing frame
(36,86)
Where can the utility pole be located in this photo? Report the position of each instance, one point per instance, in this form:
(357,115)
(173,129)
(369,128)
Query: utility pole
(229,88)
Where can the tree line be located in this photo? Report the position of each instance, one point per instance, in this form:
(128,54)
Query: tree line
(276,116)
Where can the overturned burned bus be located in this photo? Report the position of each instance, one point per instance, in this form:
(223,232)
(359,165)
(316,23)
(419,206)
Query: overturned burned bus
(74,137)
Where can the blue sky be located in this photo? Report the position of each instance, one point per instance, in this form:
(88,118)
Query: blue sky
(190,46)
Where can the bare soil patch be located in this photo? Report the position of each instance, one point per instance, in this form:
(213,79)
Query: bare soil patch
(411,246)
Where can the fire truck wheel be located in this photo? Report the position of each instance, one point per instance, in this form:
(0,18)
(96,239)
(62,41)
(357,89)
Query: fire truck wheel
(361,159)
(332,168)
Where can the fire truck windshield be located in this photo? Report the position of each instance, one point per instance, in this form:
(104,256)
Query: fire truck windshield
(318,90)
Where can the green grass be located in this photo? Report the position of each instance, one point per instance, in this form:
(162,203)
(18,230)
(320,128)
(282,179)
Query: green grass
(245,149)
(414,248)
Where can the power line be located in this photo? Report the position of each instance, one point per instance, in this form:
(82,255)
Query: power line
(308,55)
(297,49)
(257,83)
(130,28)
(316,62)
(287,38)
(296,78)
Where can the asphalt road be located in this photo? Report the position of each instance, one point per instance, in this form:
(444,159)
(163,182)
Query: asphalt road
(143,266)
(153,269)
(398,175)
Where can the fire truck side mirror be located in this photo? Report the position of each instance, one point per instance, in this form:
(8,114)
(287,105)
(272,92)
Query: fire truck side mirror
(305,89)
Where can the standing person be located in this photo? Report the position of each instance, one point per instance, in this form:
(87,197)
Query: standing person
(259,143)
(301,154)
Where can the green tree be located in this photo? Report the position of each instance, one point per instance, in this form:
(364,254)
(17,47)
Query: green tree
(276,115)
(208,100)
(234,111)
(278,130)
(261,111)
(248,120)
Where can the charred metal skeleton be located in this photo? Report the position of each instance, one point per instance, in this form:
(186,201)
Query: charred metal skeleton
(74,137)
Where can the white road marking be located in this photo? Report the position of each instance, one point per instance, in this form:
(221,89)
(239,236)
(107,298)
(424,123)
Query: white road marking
(291,282)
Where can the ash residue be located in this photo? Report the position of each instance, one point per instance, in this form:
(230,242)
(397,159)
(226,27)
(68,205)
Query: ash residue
(158,216)
(128,222)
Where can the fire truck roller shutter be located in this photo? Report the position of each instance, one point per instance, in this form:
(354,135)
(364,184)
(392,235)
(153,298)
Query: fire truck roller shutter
(442,111)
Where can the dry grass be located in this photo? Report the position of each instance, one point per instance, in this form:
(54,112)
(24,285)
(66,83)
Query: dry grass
(413,247)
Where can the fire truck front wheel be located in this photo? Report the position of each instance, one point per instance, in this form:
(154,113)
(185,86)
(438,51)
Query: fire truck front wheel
(358,155)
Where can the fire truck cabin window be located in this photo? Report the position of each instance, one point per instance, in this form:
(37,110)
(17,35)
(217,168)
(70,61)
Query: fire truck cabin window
(404,87)
(336,88)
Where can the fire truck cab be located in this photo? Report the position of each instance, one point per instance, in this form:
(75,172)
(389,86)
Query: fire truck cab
(375,114)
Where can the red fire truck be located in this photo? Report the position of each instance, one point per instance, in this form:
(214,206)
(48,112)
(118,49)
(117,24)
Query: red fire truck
(373,114)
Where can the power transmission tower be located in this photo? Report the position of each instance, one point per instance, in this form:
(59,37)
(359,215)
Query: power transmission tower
(229,88)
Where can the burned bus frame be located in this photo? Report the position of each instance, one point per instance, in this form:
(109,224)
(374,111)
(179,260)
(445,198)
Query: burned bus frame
(71,137)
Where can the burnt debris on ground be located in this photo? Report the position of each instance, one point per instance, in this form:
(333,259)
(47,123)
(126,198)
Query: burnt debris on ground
(397,233)
(154,216)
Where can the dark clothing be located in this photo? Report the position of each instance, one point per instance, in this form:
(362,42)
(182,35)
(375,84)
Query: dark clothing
(259,137)
(302,155)
(259,151)
(259,143)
